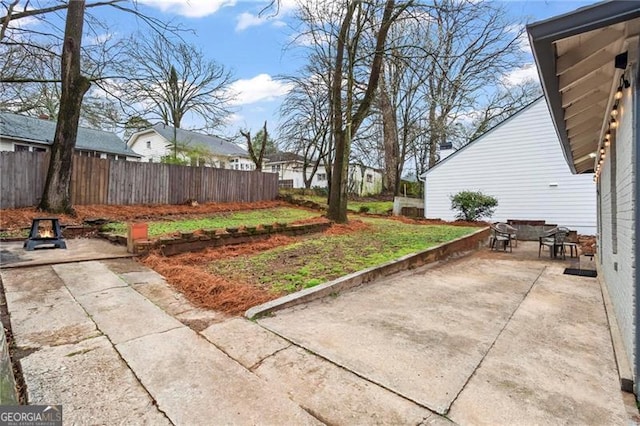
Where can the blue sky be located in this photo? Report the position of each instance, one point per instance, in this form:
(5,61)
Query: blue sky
(254,47)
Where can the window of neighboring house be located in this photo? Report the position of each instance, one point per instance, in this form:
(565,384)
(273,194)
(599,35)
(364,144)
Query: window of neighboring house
(369,178)
(148,144)
(111,156)
(322,176)
(20,148)
(38,149)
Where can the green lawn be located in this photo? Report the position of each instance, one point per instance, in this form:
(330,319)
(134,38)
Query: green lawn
(219,221)
(374,207)
(320,258)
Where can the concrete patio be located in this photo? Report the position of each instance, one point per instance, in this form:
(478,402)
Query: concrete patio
(489,338)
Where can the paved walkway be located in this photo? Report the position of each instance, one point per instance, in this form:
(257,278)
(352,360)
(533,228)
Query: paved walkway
(485,339)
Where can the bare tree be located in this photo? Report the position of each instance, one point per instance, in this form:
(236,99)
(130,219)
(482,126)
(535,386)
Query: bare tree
(306,122)
(173,79)
(470,44)
(78,70)
(258,146)
(57,195)
(348,113)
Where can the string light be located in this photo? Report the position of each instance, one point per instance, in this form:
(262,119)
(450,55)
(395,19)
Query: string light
(618,94)
(614,110)
(614,123)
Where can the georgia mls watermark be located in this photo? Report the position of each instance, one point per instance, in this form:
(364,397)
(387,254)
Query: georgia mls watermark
(31,415)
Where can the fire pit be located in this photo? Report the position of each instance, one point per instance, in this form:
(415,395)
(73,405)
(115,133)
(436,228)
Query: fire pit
(42,235)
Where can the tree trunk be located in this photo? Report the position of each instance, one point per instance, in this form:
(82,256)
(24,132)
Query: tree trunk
(390,136)
(434,135)
(337,210)
(56,197)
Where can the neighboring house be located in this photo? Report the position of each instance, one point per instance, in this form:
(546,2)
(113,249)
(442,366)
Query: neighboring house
(205,150)
(363,180)
(520,163)
(23,133)
(289,167)
(588,64)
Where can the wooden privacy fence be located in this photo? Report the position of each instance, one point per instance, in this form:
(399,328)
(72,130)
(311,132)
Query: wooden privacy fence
(98,181)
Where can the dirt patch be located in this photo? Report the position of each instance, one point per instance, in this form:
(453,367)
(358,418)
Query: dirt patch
(352,226)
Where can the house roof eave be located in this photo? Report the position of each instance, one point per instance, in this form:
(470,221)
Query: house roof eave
(544,34)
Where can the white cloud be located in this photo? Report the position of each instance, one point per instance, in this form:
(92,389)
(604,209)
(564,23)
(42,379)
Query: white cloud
(273,14)
(528,72)
(189,8)
(259,88)
(246,20)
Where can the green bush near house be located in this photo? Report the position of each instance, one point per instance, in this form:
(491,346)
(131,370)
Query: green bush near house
(473,205)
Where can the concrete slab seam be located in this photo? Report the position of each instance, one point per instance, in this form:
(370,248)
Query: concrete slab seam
(354,372)
(506,323)
(151,334)
(259,363)
(63,261)
(153,400)
(186,309)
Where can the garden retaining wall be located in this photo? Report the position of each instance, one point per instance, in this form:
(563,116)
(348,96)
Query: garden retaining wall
(443,251)
(191,241)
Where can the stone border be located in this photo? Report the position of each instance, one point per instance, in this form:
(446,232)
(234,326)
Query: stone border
(440,252)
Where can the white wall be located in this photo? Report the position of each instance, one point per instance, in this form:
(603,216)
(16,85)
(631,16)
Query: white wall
(9,145)
(520,162)
(157,149)
(617,266)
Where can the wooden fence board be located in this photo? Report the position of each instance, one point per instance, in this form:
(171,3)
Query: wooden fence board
(100,181)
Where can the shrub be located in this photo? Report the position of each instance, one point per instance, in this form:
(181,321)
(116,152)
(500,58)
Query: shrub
(472,205)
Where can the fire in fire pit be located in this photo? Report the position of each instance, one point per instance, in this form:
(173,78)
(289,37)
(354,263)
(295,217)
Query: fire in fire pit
(45,235)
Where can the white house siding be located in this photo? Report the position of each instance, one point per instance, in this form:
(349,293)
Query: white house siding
(617,267)
(152,147)
(157,149)
(520,162)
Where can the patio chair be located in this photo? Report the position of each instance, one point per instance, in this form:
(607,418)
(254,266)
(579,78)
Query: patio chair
(502,235)
(554,239)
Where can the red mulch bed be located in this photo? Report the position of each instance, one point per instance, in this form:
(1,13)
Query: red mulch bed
(187,273)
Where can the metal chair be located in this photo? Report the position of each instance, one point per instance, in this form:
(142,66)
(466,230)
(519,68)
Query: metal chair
(502,234)
(554,239)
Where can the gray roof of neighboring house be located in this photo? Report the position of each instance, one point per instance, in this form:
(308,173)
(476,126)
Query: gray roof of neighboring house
(212,143)
(37,130)
(284,157)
